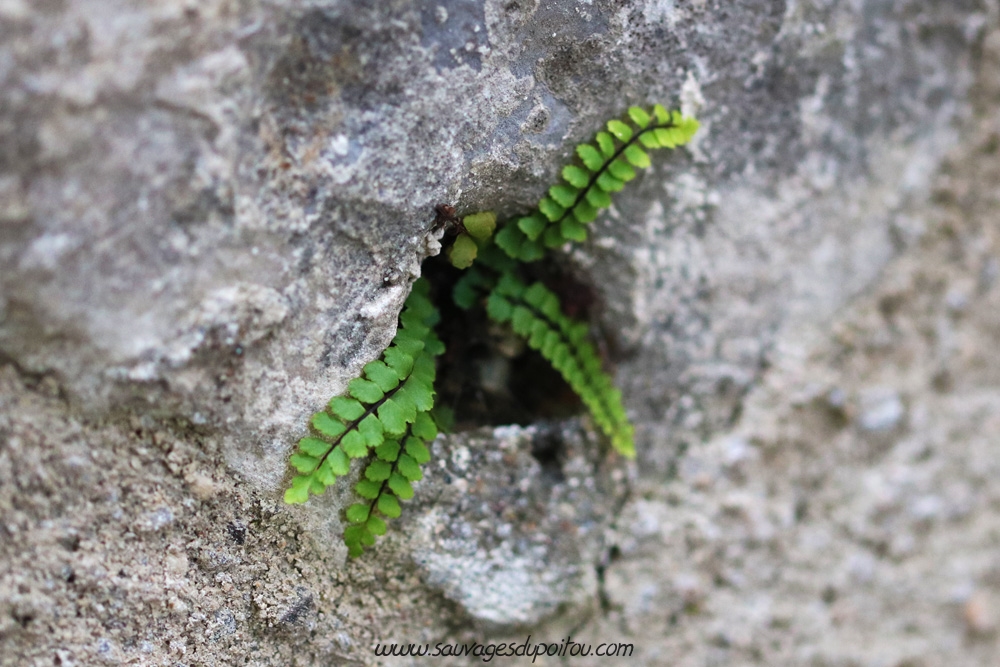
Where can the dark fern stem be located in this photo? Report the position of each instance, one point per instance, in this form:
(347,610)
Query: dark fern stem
(387,416)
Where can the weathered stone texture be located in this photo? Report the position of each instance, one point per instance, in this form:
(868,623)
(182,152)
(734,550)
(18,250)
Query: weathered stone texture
(211,213)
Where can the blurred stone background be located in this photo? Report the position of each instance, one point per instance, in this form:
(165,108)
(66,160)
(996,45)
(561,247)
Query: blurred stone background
(211,213)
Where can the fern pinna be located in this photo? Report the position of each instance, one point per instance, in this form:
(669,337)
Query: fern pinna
(386,418)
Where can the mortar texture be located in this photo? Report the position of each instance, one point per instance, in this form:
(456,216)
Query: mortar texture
(211,214)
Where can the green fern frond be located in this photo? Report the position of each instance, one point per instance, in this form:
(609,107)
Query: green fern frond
(534,313)
(605,166)
(380,407)
(386,481)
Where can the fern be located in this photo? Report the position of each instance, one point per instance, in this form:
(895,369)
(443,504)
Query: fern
(385,418)
(604,167)
(534,313)
(387,480)
(475,227)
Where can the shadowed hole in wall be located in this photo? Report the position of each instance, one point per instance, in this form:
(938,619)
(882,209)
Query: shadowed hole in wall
(488,376)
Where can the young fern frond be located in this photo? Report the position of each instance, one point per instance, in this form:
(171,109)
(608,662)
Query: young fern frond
(604,167)
(387,480)
(381,407)
(535,314)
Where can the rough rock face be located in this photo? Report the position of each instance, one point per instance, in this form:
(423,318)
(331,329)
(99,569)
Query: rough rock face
(211,213)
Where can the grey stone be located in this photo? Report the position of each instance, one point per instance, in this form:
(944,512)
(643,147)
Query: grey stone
(211,214)
(511,539)
(880,409)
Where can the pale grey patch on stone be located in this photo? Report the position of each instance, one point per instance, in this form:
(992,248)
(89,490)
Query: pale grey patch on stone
(880,409)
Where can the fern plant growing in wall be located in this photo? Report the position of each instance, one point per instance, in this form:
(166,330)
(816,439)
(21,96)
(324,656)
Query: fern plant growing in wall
(386,420)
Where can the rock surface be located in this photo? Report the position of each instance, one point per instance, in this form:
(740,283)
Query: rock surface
(211,213)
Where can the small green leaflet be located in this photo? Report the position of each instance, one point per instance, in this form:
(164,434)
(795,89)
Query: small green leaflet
(357,513)
(388,450)
(346,408)
(327,425)
(400,486)
(378,470)
(575,176)
(371,431)
(463,252)
(591,157)
(639,116)
(303,462)
(416,448)
(409,468)
(389,506)
(375,525)
(620,130)
(366,488)
(392,417)
(480,225)
(532,225)
(314,446)
(354,445)
(378,372)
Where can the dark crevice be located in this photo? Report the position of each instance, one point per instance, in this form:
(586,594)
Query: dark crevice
(237,532)
(548,448)
(612,554)
(487,375)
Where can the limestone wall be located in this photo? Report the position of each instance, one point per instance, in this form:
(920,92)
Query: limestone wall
(211,213)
